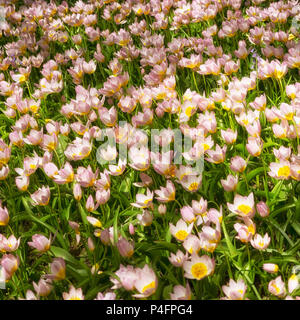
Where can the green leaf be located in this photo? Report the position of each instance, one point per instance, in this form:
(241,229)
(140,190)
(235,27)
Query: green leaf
(254,173)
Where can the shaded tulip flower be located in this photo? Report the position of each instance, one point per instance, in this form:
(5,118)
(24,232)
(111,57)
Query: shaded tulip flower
(146,282)
(64,175)
(143,201)
(187,214)
(238,164)
(245,231)
(41,197)
(29,296)
(277,287)
(73,294)
(58,269)
(4,171)
(127,277)
(263,209)
(43,287)
(181,293)
(90,204)
(117,170)
(178,259)
(94,222)
(230,183)
(9,244)
(106,296)
(91,244)
(77,192)
(125,247)
(10,264)
(293,283)
(146,218)
(166,194)
(235,290)
(4,215)
(162,209)
(40,243)
(270,267)
(192,244)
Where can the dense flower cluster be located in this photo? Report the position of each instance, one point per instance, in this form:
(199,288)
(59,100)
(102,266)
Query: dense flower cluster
(150,148)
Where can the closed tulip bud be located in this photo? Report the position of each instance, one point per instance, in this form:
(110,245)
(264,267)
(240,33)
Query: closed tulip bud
(4,216)
(104,236)
(270,267)
(162,209)
(58,269)
(293,283)
(263,209)
(4,171)
(90,204)
(125,247)
(94,221)
(77,191)
(131,229)
(91,244)
(43,287)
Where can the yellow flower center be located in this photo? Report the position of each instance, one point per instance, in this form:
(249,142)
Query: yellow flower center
(276,288)
(199,270)
(193,186)
(189,111)
(151,285)
(284,171)
(51,146)
(22,78)
(289,116)
(206,146)
(61,274)
(181,235)
(75,298)
(251,229)
(261,243)
(278,74)
(98,224)
(244,208)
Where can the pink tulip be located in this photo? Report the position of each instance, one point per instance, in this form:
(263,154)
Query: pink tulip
(40,242)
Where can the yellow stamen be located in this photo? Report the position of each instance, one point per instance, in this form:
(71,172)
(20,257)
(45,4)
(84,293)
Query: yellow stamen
(181,235)
(199,270)
(284,171)
(151,285)
(245,209)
